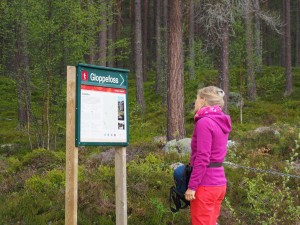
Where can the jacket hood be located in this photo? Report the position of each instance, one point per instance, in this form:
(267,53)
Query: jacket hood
(222,120)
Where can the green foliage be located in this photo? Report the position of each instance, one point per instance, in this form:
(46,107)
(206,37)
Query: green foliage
(270,82)
(123,49)
(40,202)
(272,202)
(237,44)
(202,59)
(41,159)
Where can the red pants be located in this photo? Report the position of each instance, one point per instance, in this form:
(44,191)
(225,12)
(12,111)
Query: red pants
(205,209)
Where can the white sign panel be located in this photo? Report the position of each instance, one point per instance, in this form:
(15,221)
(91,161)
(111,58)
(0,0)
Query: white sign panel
(102,114)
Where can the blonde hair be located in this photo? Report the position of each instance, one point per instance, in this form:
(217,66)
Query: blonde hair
(213,95)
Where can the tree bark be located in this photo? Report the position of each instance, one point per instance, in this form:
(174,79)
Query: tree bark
(288,61)
(139,57)
(23,80)
(283,36)
(151,35)
(159,67)
(111,37)
(257,37)
(118,22)
(224,66)
(251,85)
(175,95)
(145,38)
(164,51)
(191,61)
(102,36)
(21,65)
(298,36)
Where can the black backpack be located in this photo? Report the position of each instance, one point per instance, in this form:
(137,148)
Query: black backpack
(181,176)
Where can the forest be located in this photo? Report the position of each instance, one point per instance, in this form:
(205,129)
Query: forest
(249,48)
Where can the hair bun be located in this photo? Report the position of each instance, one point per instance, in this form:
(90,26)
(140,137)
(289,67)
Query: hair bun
(221,93)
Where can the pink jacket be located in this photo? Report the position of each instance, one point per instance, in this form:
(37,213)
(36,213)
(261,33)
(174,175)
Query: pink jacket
(208,144)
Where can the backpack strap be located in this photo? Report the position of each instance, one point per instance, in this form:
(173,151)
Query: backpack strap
(177,199)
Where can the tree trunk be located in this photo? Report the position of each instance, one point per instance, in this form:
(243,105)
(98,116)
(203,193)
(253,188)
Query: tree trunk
(145,38)
(288,61)
(118,21)
(224,66)
(151,31)
(90,57)
(283,36)
(132,25)
(191,61)
(267,35)
(251,85)
(175,95)
(159,66)
(257,37)
(139,57)
(164,51)
(47,105)
(23,90)
(102,36)
(298,36)
(21,64)
(111,37)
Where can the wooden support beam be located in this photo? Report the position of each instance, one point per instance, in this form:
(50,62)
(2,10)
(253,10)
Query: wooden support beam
(121,186)
(71,151)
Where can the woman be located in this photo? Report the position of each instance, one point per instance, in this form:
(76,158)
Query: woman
(207,185)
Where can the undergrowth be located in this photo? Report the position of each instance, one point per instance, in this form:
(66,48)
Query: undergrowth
(32,186)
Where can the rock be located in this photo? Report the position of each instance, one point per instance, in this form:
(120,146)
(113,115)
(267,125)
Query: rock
(8,146)
(266,130)
(231,144)
(182,146)
(171,146)
(106,158)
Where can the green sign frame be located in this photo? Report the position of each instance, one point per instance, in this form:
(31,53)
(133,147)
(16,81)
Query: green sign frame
(101,94)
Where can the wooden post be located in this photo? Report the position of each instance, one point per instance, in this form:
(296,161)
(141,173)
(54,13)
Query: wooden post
(71,151)
(121,186)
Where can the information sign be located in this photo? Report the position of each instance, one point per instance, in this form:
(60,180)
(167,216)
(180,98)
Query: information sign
(101,106)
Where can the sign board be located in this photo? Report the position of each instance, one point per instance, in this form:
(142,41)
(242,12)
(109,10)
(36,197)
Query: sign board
(101,106)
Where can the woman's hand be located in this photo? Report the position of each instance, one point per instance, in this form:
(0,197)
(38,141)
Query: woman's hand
(189,194)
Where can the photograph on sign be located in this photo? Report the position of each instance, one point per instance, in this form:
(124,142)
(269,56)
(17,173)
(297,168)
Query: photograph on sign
(102,113)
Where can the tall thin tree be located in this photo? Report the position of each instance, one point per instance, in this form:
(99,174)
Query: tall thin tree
(191,59)
(288,61)
(217,31)
(175,95)
(257,37)
(102,39)
(145,36)
(224,64)
(250,76)
(164,50)
(111,35)
(158,38)
(298,35)
(139,57)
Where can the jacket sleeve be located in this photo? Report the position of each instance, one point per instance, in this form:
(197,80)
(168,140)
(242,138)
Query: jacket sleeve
(203,152)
